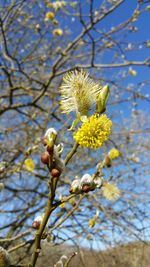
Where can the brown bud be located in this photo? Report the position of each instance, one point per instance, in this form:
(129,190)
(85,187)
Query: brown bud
(55,173)
(107,161)
(36,225)
(86,188)
(45,157)
(50,149)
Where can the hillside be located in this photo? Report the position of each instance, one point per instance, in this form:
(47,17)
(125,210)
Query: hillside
(135,254)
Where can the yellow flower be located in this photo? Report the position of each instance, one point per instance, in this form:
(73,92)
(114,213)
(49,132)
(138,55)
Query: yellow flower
(58,32)
(29,164)
(110,191)
(94,131)
(114,153)
(50,15)
(148,8)
(78,92)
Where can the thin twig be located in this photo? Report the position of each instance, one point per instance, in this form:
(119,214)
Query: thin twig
(71,153)
(69,259)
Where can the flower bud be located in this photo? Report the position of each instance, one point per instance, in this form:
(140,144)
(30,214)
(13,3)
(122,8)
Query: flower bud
(86,179)
(148,7)
(49,15)
(102,99)
(45,157)
(75,187)
(92,222)
(57,32)
(55,22)
(98,182)
(114,153)
(87,183)
(86,188)
(29,164)
(58,163)
(107,161)
(37,221)
(51,135)
(50,149)
(36,225)
(55,173)
(132,72)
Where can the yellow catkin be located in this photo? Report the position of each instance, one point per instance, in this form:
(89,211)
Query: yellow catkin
(29,164)
(110,191)
(94,131)
(58,32)
(78,92)
(114,153)
(50,15)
